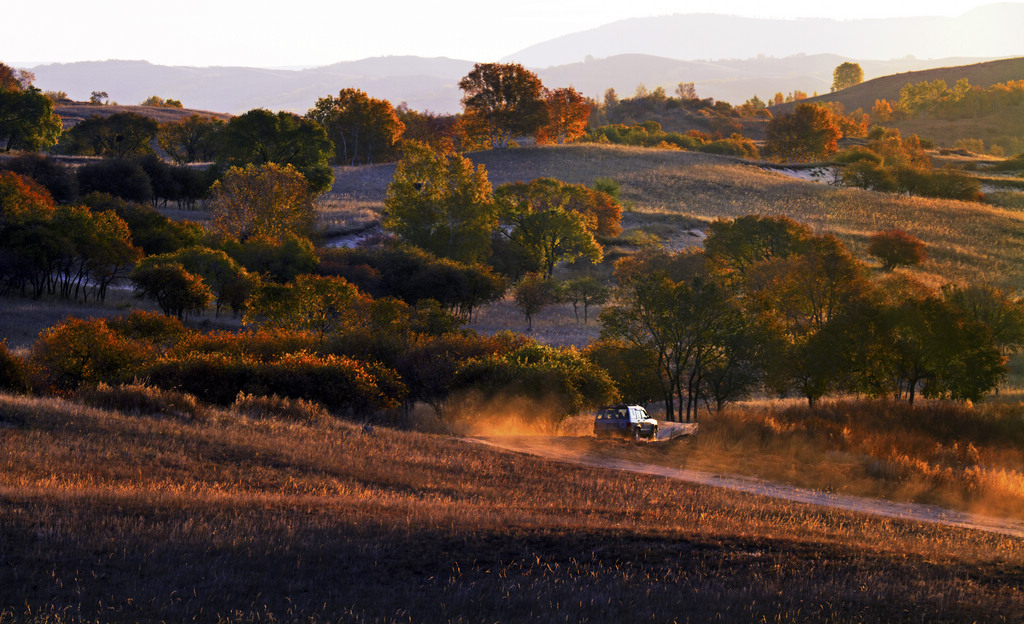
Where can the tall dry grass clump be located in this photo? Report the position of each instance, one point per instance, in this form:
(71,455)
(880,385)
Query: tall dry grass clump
(143,400)
(277,407)
(938,452)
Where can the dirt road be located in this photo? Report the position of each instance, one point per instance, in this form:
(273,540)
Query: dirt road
(549,449)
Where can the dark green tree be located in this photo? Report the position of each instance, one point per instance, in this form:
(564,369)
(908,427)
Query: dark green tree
(670,306)
(27,120)
(191,140)
(586,292)
(532,294)
(174,289)
(120,135)
(541,219)
(259,137)
(734,246)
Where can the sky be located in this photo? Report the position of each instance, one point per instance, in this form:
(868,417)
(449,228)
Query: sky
(307,33)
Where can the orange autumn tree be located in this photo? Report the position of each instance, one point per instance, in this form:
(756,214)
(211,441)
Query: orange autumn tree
(810,132)
(567,114)
(504,98)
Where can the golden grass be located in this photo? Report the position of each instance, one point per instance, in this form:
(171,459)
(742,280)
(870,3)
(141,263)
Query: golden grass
(970,459)
(339,215)
(110,517)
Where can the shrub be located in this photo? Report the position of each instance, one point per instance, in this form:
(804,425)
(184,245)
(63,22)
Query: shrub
(338,382)
(80,352)
(141,399)
(733,146)
(280,261)
(262,344)
(856,154)
(13,376)
(149,327)
(280,408)
(561,380)
(870,175)
(120,178)
(414,275)
(55,177)
(173,288)
(151,231)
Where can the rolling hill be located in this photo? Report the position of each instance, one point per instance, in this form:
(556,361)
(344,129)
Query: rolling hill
(888,87)
(992,30)
(432,84)
(72,113)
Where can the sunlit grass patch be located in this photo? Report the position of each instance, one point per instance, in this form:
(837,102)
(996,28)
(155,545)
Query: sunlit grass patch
(342,215)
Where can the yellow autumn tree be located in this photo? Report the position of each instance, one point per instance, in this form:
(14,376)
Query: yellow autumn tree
(268,201)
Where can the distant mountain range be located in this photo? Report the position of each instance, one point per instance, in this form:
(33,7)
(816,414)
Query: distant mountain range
(990,31)
(795,55)
(424,83)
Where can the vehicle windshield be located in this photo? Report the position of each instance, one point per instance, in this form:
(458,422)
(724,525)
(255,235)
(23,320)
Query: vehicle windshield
(613,412)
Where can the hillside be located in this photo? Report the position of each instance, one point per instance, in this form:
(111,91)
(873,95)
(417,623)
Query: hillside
(866,93)
(71,114)
(218,516)
(426,84)
(729,80)
(670,193)
(991,30)
(432,84)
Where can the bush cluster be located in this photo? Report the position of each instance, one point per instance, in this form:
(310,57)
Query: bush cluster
(650,134)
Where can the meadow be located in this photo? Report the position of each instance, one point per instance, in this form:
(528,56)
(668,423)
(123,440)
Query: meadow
(172,512)
(138,506)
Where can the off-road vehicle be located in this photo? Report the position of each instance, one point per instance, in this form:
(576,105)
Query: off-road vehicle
(626,421)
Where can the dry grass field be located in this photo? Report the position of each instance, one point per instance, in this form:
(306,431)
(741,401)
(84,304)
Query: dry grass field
(157,513)
(215,517)
(71,114)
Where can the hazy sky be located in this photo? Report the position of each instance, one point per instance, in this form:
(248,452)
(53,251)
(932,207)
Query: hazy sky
(264,33)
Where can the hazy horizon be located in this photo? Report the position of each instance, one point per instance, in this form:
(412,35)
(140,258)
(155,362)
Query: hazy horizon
(260,35)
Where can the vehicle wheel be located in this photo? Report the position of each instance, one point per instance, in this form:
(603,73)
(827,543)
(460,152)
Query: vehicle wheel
(654,433)
(636,434)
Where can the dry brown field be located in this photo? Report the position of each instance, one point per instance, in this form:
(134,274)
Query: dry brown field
(211,516)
